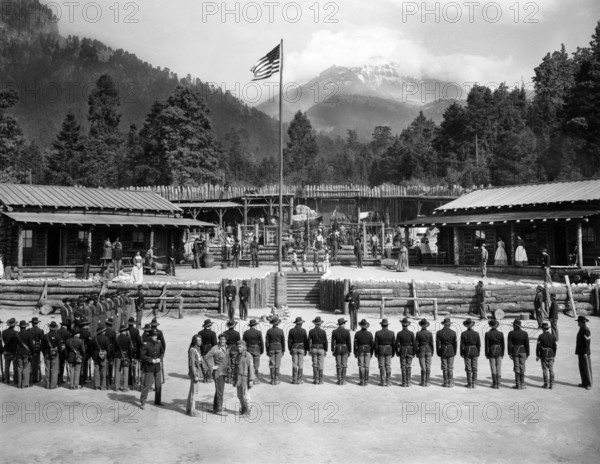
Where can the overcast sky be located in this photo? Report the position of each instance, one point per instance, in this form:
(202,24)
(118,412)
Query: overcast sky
(485,42)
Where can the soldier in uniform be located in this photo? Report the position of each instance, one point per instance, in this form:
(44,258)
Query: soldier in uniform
(86,338)
(50,344)
(582,350)
(37,336)
(117,256)
(209,339)
(275,346)
(384,349)
(24,352)
(480,295)
(446,347)
(358,252)
(101,348)
(112,336)
(218,363)
(243,376)
(161,338)
(233,336)
(230,294)
(298,348)
(538,305)
(424,350)
(124,352)
(255,346)
(553,315)
(254,247)
(494,351)
(363,351)
(545,264)
(518,351)
(341,347)
(140,304)
(244,299)
(353,300)
(151,355)
(405,349)
(136,341)
(470,346)
(237,248)
(64,334)
(317,341)
(9,336)
(546,351)
(75,355)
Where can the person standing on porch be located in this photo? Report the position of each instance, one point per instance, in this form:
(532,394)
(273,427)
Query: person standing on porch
(358,252)
(483,257)
(500,258)
(520,253)
(545,263)
(117,256)
(402,263)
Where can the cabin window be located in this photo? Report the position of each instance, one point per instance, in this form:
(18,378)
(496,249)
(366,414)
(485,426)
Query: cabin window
(82,238)
(479,238)
(27,238)
(137,239)
(589,237)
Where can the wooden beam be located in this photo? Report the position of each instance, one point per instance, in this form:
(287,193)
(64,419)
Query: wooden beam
(20,245)
(579,245)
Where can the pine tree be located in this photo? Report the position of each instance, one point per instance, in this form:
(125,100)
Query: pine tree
(301,152)
(64,158)
(12,140)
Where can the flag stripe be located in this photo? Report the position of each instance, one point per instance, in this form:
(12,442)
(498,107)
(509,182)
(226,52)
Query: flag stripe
(267,65)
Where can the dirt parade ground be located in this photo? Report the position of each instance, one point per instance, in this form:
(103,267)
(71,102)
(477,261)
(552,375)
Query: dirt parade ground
(317,423)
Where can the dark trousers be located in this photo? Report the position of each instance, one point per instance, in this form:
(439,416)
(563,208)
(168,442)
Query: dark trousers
(471,365)
(353,319)
(138,317)
(359,260)
(100,374)
(8,359)
(219,391)
(23,371)
(86,270)
(171,267)
(122,373)
(36,368)
(230,309)
(236,260)
(585,369)
(554,327)
(51,372)
(539,316)
(548,369)
(243,310)
(519,363)
(496,366)
(425,361)
(149,379)
(255,259)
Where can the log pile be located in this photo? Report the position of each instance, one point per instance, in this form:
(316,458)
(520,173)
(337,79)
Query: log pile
(452,298)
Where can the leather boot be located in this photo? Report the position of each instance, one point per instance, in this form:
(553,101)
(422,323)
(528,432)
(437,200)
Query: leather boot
(294,375)
(277,382)
(445,382)
(517,382)
(474,380)
(320,376)
(545,380)
(427,376)
(339,375)
(469,380)
(157,397)
(494,377)
(315,376)
(551,380)
(388,378)
(523,387)
(299,380)
(344,375)
(422,384)
(256,379)
(450,378)
(272,376)
(403,384)
(497,381)
(408,377)
(360,376)
(381,378)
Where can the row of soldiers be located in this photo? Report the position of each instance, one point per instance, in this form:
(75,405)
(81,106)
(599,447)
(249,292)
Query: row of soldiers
(406,344)
(114,355)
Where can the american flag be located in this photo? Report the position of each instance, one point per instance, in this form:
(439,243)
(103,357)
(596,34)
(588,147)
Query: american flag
(267,65)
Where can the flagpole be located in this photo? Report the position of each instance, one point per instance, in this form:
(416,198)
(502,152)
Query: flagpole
(280,241)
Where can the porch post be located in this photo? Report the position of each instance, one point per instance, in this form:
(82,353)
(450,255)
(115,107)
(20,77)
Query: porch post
(89,237)
(245,211)
(456,247)
(291,211)
(151,238)
(20,245)
(365,239)
(579,245)
(513,244)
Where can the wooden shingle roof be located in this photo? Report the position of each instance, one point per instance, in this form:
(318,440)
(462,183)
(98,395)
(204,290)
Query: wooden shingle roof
(46,196)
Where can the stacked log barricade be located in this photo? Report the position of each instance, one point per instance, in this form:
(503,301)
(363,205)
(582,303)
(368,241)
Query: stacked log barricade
(452,297)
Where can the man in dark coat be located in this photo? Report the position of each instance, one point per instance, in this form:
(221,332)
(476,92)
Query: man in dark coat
(209,339)
(582,350)
(230,293)
(553,315)
(86,337)
(136,341)
(518,351)
(233,336)
(64,334)
(424,349)
(87,262)
(353,300)
(275,347)
(124,352)
(112,336)
(50,344)
(37,336)
(117,256)
(446,348)
(384,349)
(172,256)
(254,345)
(494,351)
(405,349)
(480,295)
(236,250)
(218,363)
(23,355)
(538,305)
(470,347)
(151,356)
(318,344)
(101,350)
(363,351)
(254,247)
(341,347)
(9,336)
(358,252)
(545,352)
(244,295)
(298,348)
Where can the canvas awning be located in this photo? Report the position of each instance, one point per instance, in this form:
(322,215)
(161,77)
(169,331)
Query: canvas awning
(104,219)
(499,218)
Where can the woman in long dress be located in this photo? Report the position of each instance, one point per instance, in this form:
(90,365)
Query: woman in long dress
(137,272)
(520,253)
(402,264)
(500,259)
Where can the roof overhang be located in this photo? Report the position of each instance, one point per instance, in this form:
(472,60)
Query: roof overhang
(104,219)
(500,218)
(209,205)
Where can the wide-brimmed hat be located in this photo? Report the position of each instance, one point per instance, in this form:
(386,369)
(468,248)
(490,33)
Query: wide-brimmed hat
(11,322)
(230,323)
(153,332)
(53,325)
(109,321)
(147,328)
(483,244)
(244,282)
(317,320)
(124,328)
(34,320)
(494,323)
(539,287)
(154,322)
(384,322)
(517,322)
(252,322)
(341,321)
(364,323)
(545,325)
(553,296)
(101,330)
(131,320)
(405,322)
(83,322)
(582,319)
(207,323)
(275,320)
(23,324)
(424,323)
(469,322)
(299,320)
(446,321)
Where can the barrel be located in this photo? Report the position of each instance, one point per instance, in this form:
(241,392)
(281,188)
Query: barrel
(209,260)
